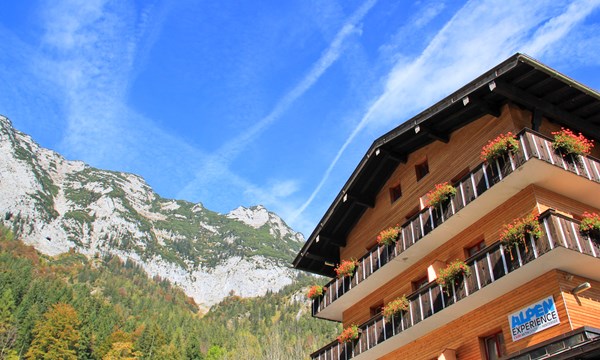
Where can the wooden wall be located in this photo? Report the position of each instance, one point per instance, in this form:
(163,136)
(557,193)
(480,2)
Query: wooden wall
(446,161)
(493,317)
(444,164)
(487,228)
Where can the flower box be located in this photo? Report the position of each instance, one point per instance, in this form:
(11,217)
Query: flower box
(346,268)
(348,334)
(500,146)
(452,274)
(316,291)
(395,307)
(440,194)
(389,235)
(518,231)
(590,224)
(567,143)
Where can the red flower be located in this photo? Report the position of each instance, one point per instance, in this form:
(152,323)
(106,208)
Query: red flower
(388,235)
(315,291)
(567,143)
(441,193)
(589,222)
(518,230)
(501,145)
(350,333)
(346,268)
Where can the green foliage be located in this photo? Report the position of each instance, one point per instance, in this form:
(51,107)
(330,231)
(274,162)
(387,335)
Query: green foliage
(122,314)
(82,196)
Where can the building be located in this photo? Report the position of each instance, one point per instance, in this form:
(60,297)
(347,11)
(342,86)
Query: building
(537,299)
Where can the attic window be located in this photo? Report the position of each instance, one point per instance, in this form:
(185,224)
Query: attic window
(395,193)
(422,169)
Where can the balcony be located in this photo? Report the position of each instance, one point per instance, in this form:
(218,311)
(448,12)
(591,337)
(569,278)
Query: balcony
(495,271)
(487,186)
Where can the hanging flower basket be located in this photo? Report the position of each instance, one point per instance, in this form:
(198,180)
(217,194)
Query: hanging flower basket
(346,268)
(440,194)
(500,146)
(316,291)
(348,334)
(590,224)
(452,273)
(395,307)
(519,229)
(389,235)
(567,143)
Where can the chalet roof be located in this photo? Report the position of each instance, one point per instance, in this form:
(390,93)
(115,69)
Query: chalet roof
(519,79)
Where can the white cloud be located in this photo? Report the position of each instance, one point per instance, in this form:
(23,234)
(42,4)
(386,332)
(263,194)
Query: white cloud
(216,167)
(479,35)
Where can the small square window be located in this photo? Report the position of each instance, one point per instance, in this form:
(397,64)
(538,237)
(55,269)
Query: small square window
(422,169)
(377,309)
(420,283)
(474,249)
(395,193)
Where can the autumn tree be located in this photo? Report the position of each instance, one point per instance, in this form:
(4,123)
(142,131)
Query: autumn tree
(55,336)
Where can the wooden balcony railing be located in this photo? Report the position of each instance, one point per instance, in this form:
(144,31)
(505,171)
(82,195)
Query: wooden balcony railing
(469,188)
(487,267)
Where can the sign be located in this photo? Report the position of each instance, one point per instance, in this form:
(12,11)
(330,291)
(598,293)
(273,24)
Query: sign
(533,318)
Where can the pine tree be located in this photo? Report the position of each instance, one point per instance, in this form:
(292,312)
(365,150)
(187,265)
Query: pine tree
(8,329)
(56,335)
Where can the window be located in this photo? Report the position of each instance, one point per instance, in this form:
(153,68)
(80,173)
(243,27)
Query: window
(494,346)
(422,169)
(420,283)
(375,310)
(472,250)
(395,193)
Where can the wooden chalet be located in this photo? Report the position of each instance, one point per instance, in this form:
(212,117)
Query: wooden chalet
(536,298)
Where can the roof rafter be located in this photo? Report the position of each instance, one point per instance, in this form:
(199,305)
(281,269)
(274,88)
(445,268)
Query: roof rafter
(521,96)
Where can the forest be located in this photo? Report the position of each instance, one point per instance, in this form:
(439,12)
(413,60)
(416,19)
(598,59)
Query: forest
(72,307)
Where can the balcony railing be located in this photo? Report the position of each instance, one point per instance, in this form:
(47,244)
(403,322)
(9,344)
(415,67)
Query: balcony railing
(487,267)
(532,146)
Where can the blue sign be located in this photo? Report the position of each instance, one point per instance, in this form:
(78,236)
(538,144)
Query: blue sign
(533,318)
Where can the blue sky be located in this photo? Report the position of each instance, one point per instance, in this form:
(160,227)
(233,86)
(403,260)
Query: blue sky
(234,103)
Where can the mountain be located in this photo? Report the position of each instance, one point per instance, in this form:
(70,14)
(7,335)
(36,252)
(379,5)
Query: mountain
(58,205)
(115,311)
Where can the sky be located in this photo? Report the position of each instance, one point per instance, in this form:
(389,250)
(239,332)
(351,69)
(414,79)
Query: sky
(233,103)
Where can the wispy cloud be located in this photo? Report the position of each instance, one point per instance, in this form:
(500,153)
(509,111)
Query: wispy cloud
(477,37)
(216,166)
(93,50)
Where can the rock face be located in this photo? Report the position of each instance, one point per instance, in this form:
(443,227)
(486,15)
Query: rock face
(57,205)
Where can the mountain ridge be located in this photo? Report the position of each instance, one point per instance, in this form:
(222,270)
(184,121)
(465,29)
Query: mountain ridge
(56,205)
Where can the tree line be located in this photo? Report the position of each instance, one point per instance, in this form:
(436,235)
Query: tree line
(71,307)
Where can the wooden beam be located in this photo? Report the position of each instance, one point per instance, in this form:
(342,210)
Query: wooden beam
(487,107)
(359,200)
(392,155)
(536,120)
(520,96)
(332,241)
(320,258)
(433,134)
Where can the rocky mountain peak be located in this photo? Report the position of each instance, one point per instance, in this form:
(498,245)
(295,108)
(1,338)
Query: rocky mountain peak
(56,204)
